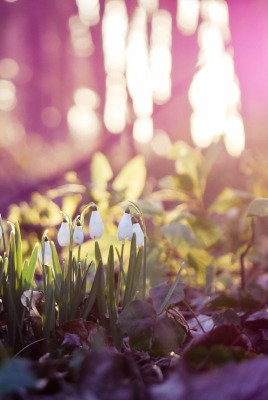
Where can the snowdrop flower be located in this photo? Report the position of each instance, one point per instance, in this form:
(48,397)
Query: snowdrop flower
(1,232)
(64,234)
(125,228)
(31,299)
(78,233)
(96,227)
(139,232)
(45,255)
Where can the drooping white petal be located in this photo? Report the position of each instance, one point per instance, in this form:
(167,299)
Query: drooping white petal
(64,234)
(139,234)
(125,227)
(78,234)
(45,254)
(30,299)
(1,232)
(96,227)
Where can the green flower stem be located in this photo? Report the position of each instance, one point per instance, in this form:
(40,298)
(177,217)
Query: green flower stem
(243,255)
(121,274)
(3,235)
(144,271)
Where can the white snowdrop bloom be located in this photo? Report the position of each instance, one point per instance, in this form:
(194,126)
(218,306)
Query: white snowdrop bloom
(30,299)
(125,228)
(96,227)
(45,254)
(1,232)
(78,233)
(64,234)
(139,233)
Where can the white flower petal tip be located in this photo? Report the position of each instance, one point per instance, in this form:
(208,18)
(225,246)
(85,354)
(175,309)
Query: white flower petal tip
(1,232)
(96,227)
(125,227)
(139,233)
(78,236)
(64,234)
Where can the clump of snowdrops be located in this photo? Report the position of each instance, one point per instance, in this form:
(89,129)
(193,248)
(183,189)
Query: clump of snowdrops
(72,285)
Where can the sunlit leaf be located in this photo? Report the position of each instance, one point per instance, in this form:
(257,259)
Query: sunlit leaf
(258,208)
(188,161)
(101,171)
(229,198)
(67,189)
(131,179)
(29,269)
(180,236)
(150,208)
(205,230)
(70,204)
(200,260)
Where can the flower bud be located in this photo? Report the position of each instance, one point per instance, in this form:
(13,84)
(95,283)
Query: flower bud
(125,228)
(139,232)
(78,233)
(96,227)
(64,234)
(45,255)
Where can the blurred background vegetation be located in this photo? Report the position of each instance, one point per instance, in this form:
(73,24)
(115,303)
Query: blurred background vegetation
(62,147)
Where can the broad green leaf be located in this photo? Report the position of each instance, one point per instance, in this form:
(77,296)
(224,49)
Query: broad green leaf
(18,250)
(101,171)
(96,285)
(181,236)
(178,183)
(229,198)
(138,317)
(131,179)
(205,230)
(29,269)
(168,335)
(258,208)
(70,204)
(150,208)
(188,162)
(65,190)
(200,260)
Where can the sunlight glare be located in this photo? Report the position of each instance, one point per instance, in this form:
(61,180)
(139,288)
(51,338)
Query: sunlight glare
(214,93)
(9,68)
(216,12)
(80,37)
(143,130)
(8,97)
(187,16)
(206,127)
(114,31)
(160,56)
(83,122)
(149,5)
(115,109)
(161,143)
(89,11)
(86,97)
(210,42)
(234,137)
